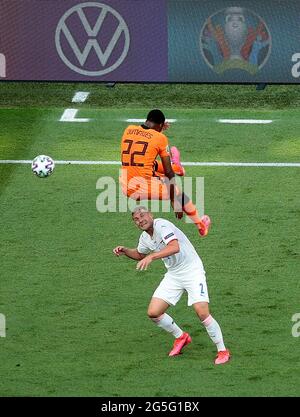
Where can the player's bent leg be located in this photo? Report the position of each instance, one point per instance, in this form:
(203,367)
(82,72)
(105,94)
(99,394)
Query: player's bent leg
(176,162)
(154,189)
(157,313)
(139,188)
(158,168)
(157,307)
(202,310)
(158,190)
(203,223)
(213,330)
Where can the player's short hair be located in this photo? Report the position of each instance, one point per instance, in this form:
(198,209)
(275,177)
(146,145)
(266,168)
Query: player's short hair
(139,208)
(156,116)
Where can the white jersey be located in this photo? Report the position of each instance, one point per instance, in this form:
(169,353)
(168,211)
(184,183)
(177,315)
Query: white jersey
(163,233)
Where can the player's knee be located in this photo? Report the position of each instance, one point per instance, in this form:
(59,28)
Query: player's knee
(203,315)
(153,314)
(202,310)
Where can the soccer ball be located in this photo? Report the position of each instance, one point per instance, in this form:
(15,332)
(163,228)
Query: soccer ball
(42,166)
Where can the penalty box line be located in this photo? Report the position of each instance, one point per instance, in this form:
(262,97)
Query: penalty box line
(208,164)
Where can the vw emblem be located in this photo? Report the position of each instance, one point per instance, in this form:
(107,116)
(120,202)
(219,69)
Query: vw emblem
(92,39)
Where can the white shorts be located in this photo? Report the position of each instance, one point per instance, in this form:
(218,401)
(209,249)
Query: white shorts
(173,286)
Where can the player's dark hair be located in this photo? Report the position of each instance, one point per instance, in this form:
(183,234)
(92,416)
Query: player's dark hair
(156,116)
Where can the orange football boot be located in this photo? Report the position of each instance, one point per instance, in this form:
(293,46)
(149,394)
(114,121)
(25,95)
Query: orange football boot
(204,225)
(175,158)
(223,356)
(179,343)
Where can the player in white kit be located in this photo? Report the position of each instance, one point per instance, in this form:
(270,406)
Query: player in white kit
(161,239)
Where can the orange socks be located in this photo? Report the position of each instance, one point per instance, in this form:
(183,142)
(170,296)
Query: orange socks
(190,210)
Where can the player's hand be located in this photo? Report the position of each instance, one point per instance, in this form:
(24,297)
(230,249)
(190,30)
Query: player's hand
(144,263)
(119,250)
(179,215)
(166,126)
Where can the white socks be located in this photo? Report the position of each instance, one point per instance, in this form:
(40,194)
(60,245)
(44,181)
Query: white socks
(212,327)
(167,323)
(214,331)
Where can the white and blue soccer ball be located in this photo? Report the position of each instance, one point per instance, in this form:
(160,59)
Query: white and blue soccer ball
(42,166)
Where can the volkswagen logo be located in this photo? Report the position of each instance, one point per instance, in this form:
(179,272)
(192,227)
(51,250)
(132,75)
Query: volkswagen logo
(92,39)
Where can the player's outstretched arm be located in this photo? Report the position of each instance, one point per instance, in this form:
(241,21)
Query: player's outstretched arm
(130,253)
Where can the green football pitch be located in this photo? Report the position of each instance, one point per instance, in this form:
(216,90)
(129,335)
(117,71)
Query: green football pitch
(76,322)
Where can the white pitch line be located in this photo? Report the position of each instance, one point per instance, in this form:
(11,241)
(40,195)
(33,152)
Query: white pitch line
(80,96)
(69,116)
(142,120)
(216,164)
(243,164)
(245,121)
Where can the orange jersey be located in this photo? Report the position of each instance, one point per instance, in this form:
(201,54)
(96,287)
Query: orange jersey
(139,150)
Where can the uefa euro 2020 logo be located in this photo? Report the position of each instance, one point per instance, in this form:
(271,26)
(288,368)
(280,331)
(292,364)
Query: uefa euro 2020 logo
(235,38)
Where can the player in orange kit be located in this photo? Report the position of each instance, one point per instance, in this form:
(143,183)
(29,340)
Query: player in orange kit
(145,178)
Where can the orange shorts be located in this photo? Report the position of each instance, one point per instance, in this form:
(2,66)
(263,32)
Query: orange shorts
(139,188)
